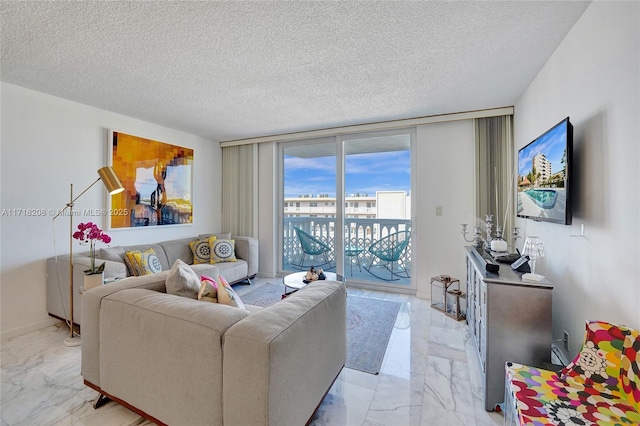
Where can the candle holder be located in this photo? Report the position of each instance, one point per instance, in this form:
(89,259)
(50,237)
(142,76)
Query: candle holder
(477,236)
(488,228)
(515,234)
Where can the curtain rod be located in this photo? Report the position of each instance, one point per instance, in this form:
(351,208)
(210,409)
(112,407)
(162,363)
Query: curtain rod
(370,127)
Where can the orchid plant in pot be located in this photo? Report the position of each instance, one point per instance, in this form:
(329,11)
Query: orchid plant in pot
(89,233)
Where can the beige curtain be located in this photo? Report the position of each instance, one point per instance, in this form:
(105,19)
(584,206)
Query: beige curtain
(495,165)
(240,190)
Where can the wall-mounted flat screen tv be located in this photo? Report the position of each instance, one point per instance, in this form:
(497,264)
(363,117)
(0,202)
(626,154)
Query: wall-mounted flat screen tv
(544,174)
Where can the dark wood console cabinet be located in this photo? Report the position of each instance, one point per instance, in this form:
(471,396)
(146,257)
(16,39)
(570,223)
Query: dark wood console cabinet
(510,320)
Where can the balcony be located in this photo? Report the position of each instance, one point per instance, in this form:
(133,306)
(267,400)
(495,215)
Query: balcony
(359,234)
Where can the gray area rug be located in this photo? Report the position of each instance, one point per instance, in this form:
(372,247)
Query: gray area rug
(369,325)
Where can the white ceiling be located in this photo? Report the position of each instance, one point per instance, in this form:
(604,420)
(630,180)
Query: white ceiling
(231,70)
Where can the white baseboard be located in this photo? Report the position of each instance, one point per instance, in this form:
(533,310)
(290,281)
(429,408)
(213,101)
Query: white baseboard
(423,295)
(266,275)
(19,331)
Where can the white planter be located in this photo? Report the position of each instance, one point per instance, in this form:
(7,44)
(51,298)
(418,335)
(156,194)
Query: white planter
(93,280)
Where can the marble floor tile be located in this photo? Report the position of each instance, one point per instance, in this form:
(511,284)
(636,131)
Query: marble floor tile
(359,378)
(430,376)
(406,352)
(345,404)
(397,400)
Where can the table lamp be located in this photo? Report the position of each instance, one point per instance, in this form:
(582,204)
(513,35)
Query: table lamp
(114,186)
(533,248)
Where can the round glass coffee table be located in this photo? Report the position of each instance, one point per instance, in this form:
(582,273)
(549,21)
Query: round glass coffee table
(296,280)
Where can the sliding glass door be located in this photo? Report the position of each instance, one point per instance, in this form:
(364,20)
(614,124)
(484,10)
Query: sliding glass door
(351,195)
(309,205)
(377,208)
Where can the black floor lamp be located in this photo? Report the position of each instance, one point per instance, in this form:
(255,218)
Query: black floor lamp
(114,186)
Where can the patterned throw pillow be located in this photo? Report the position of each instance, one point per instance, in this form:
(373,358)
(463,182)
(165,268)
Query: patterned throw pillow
(149,262)
(223,251)
(130,261)
(202,250)
(142,263)
(226,295)
(208,290)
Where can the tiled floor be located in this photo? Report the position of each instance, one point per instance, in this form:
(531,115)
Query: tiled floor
(430,376)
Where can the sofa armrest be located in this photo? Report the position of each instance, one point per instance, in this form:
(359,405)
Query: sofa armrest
(91,303)
(58,282)
(301,339)
(247,249)
(162,354)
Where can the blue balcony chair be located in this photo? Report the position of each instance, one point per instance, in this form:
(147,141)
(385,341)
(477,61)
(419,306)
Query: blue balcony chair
(311,246)
(386,252)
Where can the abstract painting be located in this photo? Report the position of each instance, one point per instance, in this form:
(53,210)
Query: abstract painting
(158,182)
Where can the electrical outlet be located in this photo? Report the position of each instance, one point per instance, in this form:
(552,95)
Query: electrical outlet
(565,340)
(439,211)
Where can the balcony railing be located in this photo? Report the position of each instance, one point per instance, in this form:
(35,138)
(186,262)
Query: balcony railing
(358,233)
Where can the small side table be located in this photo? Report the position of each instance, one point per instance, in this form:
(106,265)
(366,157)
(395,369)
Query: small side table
(105,281)
(351,252)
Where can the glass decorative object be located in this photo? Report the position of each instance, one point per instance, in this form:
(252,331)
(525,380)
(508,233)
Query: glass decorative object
(446,295)
(533,248)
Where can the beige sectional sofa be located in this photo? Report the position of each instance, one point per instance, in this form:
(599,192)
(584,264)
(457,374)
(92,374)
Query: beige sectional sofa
(181,361)
(245,268)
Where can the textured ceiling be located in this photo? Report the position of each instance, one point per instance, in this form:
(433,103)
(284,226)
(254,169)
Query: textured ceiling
(230,70)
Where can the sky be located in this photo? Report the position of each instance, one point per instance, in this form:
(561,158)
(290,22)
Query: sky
(177,182)
(551,144)
(365,173)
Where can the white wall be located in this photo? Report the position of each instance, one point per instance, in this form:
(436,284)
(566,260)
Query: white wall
(47,144)
(593,77)
(445,178)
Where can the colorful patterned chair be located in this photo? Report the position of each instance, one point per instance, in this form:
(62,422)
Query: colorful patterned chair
(601,386)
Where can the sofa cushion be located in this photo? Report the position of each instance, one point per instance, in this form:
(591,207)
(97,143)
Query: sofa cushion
(219,235)
(232,271)
(201,250)
(178,249)
(182,281)
(207,269)
(115,254)
(223,251)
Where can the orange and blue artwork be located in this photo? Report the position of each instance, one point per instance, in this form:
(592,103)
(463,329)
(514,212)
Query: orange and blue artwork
(158,182)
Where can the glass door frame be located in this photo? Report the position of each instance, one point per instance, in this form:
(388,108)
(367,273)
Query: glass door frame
(340,141)
(280,194)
